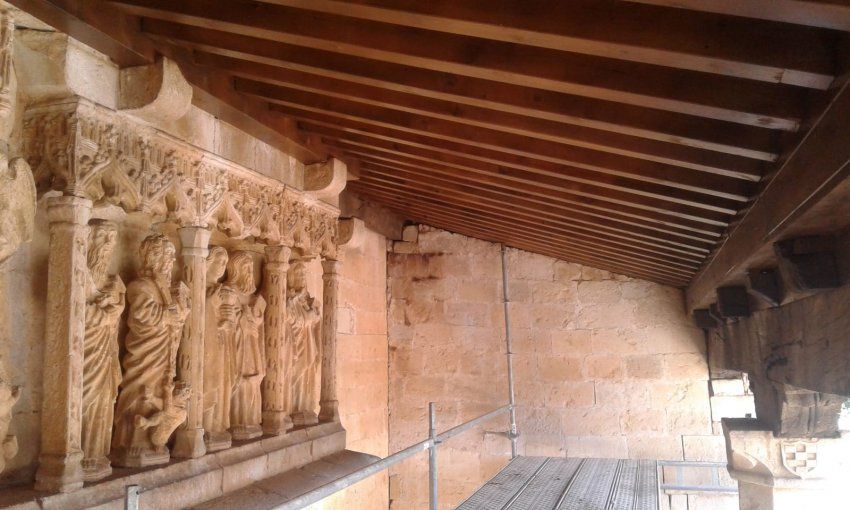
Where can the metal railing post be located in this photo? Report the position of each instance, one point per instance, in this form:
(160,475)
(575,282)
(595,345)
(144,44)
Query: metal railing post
(432,455)
(512,433)
(131,497)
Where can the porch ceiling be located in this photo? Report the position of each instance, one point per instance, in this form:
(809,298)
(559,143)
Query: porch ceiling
(627,135)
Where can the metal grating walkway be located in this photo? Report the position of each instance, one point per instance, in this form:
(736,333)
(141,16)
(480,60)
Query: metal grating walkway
(544,483)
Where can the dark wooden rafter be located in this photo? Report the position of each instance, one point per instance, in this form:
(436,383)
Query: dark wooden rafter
(629,135)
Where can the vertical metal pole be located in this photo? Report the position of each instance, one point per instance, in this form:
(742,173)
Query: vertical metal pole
(131,498)
(509,352)
(432,455)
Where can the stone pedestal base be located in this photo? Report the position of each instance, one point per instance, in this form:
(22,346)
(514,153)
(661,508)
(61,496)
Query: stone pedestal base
(778,473)
(216,441)
(329,411)
(143,458)
(246,432)
(59,473)
(96,469)
(304,418)
(276,423)
(189,444)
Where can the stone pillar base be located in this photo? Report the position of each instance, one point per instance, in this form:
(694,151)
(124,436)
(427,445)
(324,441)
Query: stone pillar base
(189,444)
(304,418)
(329,411)
(276,423)
(246,432)
(216,441)
(779,473)
(142,458)
(96,469)
(59,473)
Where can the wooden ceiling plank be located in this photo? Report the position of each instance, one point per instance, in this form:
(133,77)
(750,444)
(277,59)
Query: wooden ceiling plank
(533,127)
(451,206)
(819,163)
(659,204)
(492,184)
(764,51)
(442,221)
(825,14)
(558,211)
(702,94)
(727,137)
(296,103)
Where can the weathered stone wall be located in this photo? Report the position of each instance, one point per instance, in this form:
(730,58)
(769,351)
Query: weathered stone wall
(605,365)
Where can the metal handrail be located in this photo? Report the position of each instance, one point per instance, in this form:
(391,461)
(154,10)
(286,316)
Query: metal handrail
(323,491)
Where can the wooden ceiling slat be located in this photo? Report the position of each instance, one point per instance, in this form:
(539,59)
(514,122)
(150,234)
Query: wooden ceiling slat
(764,51)
(567,252)
(528,199)
(298,103)
(507,219)
(604,194)
(825,14)
(748,141)
(712,96)
(533,127)
(487,184)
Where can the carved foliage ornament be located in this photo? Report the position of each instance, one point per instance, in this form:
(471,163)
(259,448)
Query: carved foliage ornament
(95,153)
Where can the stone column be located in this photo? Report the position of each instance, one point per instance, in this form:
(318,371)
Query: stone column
(329,405)
(778,473)
(276,384)
(189,441)
(60,463)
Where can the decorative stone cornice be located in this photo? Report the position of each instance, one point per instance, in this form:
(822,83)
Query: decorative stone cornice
(89,151)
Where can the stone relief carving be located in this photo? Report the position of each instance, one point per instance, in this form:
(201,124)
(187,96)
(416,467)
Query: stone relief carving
(303,320)
(217,355)
(101,366)
(248,363)
(149,403)
(9,395)
(90,151)
(17,205)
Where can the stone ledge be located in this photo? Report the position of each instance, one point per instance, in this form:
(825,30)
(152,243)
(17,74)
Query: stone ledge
(276,490)
(183,483)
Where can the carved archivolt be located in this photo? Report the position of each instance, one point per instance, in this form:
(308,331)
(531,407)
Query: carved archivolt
(89,151)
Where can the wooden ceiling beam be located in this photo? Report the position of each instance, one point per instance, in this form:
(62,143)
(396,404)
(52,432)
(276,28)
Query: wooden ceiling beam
(508,219)
(815,167)
(492,184)
(535,128)
(717,97)
(297,103)
(825,14)
(659,204)
(712,43)
(727,137)
(542,204)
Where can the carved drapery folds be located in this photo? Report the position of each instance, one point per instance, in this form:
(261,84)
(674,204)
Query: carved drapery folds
(207,359)
(9,395)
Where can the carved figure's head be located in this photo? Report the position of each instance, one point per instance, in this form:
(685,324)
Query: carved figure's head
(240,272)
(296,278)
(103,237)
(216,264)
(157,256)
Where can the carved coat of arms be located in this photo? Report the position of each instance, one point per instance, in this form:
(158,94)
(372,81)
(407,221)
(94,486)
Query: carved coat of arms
(800,457)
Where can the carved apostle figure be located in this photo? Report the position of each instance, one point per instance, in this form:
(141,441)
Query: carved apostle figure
(157,312)
(8,443)
(303,321)
(101,366)
(218,330)
(248,348)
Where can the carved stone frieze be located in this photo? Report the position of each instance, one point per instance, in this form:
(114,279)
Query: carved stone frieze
(92,152)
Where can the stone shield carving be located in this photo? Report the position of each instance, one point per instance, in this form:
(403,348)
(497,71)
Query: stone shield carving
(800,457)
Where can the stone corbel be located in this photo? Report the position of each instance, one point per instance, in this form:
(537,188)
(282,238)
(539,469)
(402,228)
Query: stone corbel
(351,234)
(155,93)
(325,180)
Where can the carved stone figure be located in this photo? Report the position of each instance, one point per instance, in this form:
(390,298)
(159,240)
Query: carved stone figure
(8,396)
(101,366)
(163,423)
(157,312)
(248,348)
(303,324)
(17,205)
(218,387)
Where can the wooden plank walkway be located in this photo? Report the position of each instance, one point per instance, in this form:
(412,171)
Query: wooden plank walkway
(543,483)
